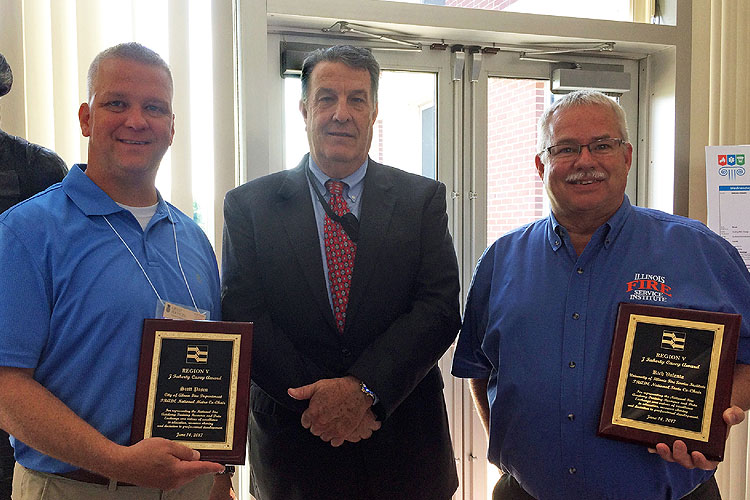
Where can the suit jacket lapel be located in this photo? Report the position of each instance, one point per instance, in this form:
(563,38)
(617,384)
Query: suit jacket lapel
(295,213)
(378,202)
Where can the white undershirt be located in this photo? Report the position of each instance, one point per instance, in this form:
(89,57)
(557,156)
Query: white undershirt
(142,214)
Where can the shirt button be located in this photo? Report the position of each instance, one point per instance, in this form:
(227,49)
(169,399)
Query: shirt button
(346,352)
(572,364)
(571,416)
(576,315)
(557,242)
(572,470)
(579,270)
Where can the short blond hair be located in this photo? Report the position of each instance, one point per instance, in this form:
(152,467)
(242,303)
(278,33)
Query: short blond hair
(133,51)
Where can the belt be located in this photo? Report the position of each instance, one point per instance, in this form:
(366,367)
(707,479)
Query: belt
(85,476)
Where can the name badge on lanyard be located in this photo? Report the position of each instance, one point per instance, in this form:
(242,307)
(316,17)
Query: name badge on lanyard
(170,310)
(164,308)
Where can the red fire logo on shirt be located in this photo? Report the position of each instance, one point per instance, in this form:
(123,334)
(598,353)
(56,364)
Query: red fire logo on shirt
(651,287)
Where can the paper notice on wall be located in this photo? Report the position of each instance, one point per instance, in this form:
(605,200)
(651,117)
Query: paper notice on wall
(728,185)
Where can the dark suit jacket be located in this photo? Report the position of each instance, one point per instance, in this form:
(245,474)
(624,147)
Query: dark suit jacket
(25,170)
(402,316)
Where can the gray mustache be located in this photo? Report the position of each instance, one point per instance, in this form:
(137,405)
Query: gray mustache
(589,175)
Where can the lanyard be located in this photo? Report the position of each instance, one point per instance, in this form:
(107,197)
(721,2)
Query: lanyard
(348,221)
(176,249)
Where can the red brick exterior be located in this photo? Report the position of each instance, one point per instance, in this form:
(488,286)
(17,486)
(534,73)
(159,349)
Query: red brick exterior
(515,193)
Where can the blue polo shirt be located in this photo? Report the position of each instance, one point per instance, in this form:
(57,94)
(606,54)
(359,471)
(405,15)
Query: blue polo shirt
(73,298)
(539,322)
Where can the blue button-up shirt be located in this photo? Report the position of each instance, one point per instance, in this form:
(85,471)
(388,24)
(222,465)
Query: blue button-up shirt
(539,322)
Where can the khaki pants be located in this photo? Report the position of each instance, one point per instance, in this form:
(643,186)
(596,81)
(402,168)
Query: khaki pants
(33,485)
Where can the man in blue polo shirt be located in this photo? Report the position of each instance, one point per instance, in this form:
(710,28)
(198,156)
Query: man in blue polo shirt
(83,264)
(540,314)
(25,169)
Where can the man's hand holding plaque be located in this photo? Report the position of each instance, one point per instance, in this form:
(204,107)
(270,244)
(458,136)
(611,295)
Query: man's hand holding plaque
(670,380)
(696,460)
(193,386)
(732,416)
(159,463)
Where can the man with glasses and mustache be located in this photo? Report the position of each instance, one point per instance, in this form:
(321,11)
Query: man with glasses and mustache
(539,318)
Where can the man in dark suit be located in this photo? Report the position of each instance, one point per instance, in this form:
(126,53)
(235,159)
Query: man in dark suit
(346,397)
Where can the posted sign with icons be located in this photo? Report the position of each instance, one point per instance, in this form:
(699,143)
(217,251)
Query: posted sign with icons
(728,185)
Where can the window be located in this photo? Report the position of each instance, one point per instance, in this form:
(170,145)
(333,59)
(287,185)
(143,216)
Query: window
(404,131)
(616,10)
(515,193)
(56,42)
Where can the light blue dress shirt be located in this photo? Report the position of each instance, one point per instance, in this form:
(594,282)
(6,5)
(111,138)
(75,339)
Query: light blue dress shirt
(353,186)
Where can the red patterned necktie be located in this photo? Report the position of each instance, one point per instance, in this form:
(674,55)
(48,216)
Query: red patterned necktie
(340,251)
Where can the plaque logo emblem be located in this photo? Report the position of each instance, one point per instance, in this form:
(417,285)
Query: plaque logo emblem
(197,354)
(674,341)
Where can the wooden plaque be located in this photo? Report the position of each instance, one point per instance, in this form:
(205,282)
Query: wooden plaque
(193,386)
(670,377)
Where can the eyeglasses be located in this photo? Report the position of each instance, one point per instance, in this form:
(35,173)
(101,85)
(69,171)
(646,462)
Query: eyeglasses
(601,148)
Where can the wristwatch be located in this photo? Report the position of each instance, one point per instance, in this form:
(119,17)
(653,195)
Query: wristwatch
(366,390)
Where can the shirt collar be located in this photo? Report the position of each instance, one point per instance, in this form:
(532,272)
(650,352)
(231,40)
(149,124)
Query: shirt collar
(554,232)
(607,231)
(90,198)
(354,182)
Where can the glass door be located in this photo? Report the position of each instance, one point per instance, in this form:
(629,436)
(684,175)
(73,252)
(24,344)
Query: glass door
(504,97)
(515,193)
(404,135)
(414,131)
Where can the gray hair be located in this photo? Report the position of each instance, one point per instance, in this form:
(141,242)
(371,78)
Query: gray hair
(131,50)
(354,57)
(6,76)
(575,99)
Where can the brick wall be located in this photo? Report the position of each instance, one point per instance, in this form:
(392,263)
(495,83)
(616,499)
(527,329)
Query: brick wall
(514,190)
